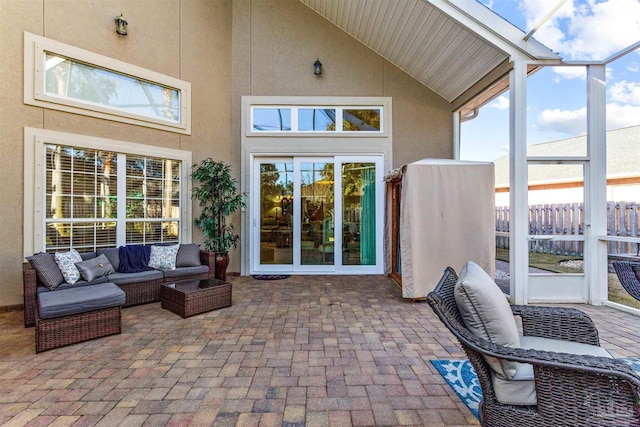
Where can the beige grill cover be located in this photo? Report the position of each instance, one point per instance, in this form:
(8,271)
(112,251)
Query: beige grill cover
(447,217)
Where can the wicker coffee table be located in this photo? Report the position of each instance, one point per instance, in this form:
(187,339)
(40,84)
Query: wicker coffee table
(191,297)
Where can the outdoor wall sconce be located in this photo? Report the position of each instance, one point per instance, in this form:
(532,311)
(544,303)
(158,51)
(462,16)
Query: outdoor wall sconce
(121,25)
(317,67)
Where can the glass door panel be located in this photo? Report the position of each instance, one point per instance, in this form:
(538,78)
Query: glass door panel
(308,219)
(276,213)
(317,238)
(358,214)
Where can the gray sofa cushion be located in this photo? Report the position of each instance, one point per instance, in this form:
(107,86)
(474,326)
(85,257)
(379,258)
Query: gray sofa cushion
(87,255)
(46,269)
(487,314)
(521,388)
(186,271)
(81,282)
(65,302)
(128,278)
(188,255)
(112,255)
(95,267)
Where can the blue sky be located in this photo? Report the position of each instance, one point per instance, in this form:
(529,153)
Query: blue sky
(556,96)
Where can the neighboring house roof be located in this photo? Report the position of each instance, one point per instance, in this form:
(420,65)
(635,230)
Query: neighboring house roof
(623,158)
(460,49)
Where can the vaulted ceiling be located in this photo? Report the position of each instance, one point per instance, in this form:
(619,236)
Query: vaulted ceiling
(457,48)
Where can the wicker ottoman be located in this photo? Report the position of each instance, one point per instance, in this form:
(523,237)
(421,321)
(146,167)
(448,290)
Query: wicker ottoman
(73,315)
(191,297)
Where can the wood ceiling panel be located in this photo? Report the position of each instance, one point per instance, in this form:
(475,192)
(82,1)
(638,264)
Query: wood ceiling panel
(412,24)
(399,22)
(416,37)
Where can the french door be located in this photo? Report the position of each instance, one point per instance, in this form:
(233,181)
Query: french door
(317,215)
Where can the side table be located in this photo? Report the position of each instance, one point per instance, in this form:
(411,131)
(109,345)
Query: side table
(191,297)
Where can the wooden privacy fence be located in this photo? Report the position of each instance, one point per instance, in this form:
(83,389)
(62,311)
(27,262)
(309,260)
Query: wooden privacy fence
(568,219)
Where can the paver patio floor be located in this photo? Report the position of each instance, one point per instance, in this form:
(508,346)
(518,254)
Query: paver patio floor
(307,350)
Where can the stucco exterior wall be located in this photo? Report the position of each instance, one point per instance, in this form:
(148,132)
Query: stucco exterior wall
(275,45)
(186,39)
(226,49)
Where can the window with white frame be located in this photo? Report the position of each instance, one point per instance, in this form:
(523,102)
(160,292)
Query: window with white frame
(153,199)
(97,193)
(310,119)
(63,77)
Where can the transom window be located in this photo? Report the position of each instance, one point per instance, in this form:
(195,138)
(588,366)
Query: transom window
(343,119)
(69,79)
(63,77)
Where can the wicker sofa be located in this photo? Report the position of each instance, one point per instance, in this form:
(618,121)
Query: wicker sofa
(566,388)
(139,288)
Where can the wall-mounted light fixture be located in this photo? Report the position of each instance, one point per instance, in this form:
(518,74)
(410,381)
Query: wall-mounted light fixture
(317,66)
(121,25)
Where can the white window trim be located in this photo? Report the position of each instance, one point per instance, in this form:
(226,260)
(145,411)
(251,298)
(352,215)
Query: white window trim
(34,94)
(34,178)
(281,144)
(337,103)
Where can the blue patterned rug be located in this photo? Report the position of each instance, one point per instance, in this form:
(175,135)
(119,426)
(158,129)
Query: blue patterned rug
(462,378)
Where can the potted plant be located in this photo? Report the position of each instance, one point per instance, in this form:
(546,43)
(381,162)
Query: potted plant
(217,192)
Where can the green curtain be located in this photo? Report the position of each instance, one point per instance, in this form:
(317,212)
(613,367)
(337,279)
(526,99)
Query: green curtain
(368,218)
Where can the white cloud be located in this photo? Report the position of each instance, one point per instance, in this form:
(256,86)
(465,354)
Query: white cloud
(570,122)
(586,29)
(550,33)
(500,103)
(605,29)
(574,122)
(570,73)
(622,116)
(625,92)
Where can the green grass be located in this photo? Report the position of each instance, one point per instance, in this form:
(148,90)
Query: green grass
(547,262)
(618,294)
(550,263)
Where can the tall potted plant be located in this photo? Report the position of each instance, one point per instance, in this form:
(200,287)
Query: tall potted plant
(217,192)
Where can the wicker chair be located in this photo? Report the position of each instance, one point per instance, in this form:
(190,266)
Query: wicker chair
(626,272)
(571,390)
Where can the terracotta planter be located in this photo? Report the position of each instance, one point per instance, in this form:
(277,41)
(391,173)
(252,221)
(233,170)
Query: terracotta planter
(222,261)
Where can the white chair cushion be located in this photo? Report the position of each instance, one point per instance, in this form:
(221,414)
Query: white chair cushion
(521,388)
(487,314)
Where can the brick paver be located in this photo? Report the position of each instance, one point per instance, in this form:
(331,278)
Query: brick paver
(308,350)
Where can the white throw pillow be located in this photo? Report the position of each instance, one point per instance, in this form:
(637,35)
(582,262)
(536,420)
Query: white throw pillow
(163,257)
(487,314)
(67,264)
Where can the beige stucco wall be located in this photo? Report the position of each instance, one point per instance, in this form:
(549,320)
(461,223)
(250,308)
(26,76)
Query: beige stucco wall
(276,43)
(187,39)
(226,49)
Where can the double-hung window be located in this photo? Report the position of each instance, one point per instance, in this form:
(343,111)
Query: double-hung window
(87,193)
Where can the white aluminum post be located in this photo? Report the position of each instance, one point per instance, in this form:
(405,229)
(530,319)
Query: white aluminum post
(595,255)
(456,135)
(518,178)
